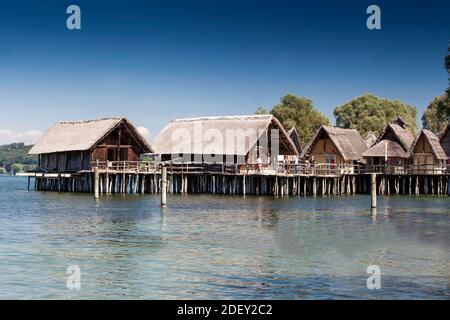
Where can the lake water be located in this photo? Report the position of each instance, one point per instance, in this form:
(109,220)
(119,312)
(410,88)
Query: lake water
(208,247)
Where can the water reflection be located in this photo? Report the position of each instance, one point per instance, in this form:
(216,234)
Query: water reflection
(221,246)
(373,213)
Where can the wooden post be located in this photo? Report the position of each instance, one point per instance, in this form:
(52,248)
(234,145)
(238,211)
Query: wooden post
(448,185)
(353,185)
(163,185)
(314,186)
(417,185)
(96,183)
(373,190)
(107,183)
(29,178)
(305,191)
(243,185)
(410,185)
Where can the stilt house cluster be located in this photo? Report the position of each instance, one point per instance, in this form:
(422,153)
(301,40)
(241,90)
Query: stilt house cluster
(239,154)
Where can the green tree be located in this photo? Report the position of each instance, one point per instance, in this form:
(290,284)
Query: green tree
(447,66)
(261,110)
(298,112)
(17,167)
(437,114)
(369,113)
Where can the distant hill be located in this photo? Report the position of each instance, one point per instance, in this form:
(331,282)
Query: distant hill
(14,157)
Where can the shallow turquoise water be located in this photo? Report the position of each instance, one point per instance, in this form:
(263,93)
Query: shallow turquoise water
(210,247)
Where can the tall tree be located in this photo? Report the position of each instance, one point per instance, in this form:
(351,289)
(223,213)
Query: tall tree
(298,112)
(369,113)
(261,110)
(437,114)
(447,66)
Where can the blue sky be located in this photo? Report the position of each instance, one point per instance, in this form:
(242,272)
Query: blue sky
(152,61)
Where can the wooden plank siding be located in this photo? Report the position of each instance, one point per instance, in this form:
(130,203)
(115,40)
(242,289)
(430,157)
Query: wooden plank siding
(324,148)
(445,143)
(119,144)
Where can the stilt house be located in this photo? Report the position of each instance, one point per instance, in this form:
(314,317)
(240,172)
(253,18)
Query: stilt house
(335,146)
(76,145)
(392,146)
(228,139)
(426,153)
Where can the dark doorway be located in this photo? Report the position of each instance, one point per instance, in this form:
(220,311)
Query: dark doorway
(111,154)
(123,154)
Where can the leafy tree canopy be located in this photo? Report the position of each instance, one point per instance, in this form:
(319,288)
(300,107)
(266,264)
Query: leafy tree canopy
(369,113)
(17,167)
(298,112)
(261,110)
(437,113)
(447,66)
(16,153)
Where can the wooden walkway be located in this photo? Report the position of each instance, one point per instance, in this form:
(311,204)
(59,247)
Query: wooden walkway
(292,180)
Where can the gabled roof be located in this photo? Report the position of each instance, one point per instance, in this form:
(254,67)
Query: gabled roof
(293,134)
(444,132)
(348,142)
(400,131)
(386,147)
(370,139)
(164,143)
(82,135)
(433,140)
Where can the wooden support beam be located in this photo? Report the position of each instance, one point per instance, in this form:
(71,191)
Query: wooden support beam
(373,190)
(163,185)
(96,183)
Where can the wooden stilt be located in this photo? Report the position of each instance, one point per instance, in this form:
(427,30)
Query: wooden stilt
(373,190)
(163,185)
(96,183)
(314,186)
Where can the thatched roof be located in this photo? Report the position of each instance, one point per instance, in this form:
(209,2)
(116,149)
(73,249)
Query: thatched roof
(293,134)
(164,143)
(370,139)
(386,147)
(348,142)
(398,130)
(82,135)
(444,132)
(433,140)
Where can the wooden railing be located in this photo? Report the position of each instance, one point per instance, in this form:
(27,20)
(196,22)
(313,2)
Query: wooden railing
(281,168)
(126,166)
(407,169)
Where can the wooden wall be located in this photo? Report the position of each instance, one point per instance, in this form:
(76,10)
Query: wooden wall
(65,161)
(445,142)
(118,145)
(423,153)
(323,148)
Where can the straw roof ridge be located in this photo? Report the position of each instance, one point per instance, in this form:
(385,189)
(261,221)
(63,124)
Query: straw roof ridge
(370,139)
(224,118)
(443,132)
(90,120)
(433,140)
